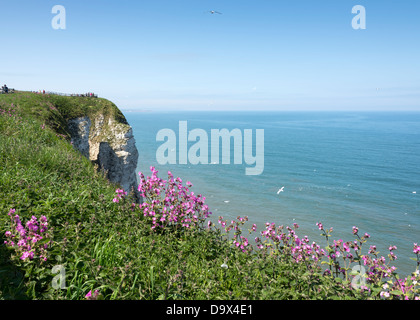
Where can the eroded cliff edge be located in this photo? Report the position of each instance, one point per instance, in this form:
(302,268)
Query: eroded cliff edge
(110,144)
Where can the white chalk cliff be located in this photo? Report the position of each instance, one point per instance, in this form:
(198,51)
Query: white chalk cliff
(110,145)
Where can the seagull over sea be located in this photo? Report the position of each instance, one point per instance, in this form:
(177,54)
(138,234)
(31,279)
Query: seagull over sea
(280,190)
(213,12)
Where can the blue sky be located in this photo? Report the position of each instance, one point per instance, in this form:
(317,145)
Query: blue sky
(256,55)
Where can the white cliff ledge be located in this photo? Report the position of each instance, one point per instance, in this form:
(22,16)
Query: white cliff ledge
(110,144)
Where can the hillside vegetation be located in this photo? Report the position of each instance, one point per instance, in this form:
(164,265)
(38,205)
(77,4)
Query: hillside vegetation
(60,217)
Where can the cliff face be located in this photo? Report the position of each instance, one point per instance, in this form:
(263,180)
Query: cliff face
(111,145)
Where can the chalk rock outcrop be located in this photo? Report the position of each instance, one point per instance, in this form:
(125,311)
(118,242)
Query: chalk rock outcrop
(111,145)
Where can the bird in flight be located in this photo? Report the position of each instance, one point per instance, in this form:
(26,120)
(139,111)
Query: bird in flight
(213,12)
(280,190)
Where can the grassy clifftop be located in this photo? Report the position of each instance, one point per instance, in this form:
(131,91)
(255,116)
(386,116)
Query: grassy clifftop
(42,174)
(56,110)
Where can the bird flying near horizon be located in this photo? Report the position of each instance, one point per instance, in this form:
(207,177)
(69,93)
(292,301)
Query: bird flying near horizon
(213,12)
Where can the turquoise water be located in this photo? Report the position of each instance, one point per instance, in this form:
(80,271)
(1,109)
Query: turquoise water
(341,169)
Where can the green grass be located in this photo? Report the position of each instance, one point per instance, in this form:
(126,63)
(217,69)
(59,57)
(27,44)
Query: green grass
(55,110)
(106,246)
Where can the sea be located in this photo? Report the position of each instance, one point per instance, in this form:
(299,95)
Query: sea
(343,169)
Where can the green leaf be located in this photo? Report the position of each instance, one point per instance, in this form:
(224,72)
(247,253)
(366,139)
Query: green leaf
(376,291)
(396,292)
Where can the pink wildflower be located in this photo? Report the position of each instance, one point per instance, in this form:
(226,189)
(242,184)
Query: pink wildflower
(90,296)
